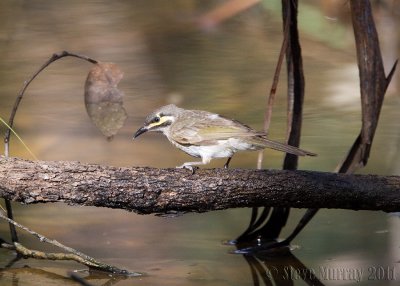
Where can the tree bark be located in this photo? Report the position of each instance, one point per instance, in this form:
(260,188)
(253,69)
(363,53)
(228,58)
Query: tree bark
(149,190)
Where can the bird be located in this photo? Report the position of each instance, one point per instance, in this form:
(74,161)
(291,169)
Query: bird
(207,135)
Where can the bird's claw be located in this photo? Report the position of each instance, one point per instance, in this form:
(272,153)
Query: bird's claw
(189,167)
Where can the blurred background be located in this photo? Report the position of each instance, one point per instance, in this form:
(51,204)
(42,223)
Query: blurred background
(213,55)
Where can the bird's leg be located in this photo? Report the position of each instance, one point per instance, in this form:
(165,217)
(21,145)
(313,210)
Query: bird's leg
(192,166)
(226,166)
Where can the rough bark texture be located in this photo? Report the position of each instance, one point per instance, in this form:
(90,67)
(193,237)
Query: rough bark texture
(150,190)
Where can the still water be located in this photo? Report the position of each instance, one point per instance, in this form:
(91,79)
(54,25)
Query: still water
(178,52)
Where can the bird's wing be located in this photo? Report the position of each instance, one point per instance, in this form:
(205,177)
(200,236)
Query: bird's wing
(208,128)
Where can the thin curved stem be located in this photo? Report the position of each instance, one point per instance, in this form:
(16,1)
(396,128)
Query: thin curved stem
(53,58)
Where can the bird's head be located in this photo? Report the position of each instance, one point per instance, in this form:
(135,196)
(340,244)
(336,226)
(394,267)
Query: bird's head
(159,120)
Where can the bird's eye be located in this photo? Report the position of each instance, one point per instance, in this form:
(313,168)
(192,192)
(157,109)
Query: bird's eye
(156,119)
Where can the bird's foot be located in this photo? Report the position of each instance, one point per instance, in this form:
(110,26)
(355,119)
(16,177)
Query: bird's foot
(226,166)
(189,167)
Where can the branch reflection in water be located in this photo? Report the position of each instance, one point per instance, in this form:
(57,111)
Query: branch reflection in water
(272,262)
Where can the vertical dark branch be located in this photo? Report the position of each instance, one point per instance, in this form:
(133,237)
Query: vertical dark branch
(295,83)
(373,83)
(274,224)
(291,48)
(295,105)
(295,91)
(296,86)
(13,231)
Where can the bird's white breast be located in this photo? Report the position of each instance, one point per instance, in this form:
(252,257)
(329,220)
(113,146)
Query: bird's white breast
(224,148)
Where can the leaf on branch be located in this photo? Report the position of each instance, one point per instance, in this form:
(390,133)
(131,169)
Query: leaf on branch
(103,99)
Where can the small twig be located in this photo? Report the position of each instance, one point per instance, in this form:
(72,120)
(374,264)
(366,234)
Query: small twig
(25,252)
(29,253)
(6,245)
(272,93)
(44,239)
(74,255)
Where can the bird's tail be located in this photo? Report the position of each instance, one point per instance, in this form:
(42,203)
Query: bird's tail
(266,143)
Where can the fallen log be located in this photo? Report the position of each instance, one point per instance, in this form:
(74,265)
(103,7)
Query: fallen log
(149,190)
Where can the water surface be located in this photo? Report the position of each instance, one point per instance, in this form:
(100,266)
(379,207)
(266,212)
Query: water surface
(227,68)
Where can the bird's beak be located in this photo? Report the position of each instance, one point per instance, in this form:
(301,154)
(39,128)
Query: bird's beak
(141,130)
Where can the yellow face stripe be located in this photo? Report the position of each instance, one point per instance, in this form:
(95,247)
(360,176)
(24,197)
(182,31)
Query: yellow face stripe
(163,119)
